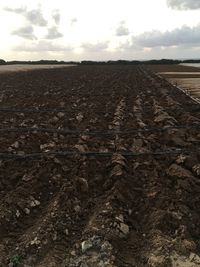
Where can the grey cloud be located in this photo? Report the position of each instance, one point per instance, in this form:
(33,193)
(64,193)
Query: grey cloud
(25,32)
(35,16)
(53,33)
(176,37)
(158,53)
(42,46)
(183,4)
(100,46)
(122,30)
(56,16)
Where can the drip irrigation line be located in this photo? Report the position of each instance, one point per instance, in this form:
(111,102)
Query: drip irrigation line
(39,110)
(95,133)
(90,153)
(90,95)
(36,110)
(78,94)
(51,110)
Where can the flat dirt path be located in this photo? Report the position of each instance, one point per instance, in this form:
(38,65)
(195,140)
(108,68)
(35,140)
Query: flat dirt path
(185,77)
(24,67)
(99,166)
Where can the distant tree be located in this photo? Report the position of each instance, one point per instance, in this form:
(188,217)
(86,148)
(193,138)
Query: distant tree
(162,61)
(2,62)
(191,61)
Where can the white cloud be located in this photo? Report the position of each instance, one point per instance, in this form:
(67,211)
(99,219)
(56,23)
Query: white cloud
(26,32)
(19,10)
(56,16)
(42,46)
(184,4)
(177,37)
(73,21)
(53,33)
(34,16)
(122,29)
(95,47)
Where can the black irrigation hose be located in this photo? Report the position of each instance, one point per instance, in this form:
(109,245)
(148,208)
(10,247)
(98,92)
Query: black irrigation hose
(89,153)
(52,110)
(40,110)
(37,110)
(98,133)
(75,94)
(90,95)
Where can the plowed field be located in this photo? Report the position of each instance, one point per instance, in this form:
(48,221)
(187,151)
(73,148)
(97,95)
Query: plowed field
(99,166)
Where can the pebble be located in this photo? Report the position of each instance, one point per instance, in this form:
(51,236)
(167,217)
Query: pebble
(54,237)
(35,241)
(15,145)
(66,231)
(73,253)
(61,114)
(27,211)
(99,254)
(35,203)
(55,119)
(130,212)
(77,208)
(120,218)
(124,228)
(189,245)
(79,117)
(17,213)
(86,245)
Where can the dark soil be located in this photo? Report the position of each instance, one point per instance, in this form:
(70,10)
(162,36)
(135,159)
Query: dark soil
(135,199)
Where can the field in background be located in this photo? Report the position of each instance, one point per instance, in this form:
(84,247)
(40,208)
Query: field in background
(21,67)
(173,68)
(197,65)
(100,167)
(185,76)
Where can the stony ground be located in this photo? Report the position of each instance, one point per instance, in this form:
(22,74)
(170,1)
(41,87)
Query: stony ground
(99,166)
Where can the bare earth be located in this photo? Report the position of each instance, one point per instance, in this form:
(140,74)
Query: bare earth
(20,67)
(185,77)
(99,167)
(173,68)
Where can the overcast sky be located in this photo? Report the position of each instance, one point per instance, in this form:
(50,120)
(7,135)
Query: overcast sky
(99,29)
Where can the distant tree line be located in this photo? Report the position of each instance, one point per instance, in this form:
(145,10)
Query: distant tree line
(191,61)
(2,62)
(40,62)
(109,62)
(135,62)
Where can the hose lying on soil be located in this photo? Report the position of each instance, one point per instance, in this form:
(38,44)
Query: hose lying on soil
(98,133)
(90,153)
